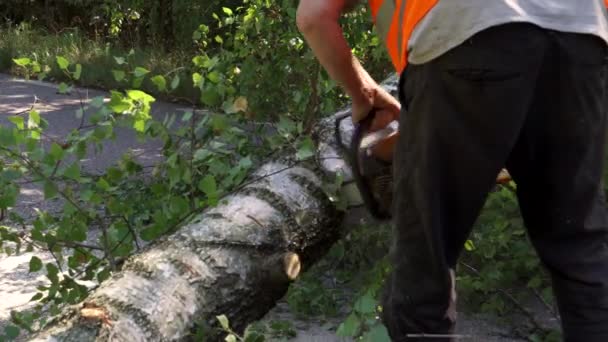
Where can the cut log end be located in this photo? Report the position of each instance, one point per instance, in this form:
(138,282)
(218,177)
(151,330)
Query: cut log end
(94,313)
(292,265)
(503,177)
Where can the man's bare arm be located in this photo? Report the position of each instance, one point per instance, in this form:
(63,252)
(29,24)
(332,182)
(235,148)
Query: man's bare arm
(318,20)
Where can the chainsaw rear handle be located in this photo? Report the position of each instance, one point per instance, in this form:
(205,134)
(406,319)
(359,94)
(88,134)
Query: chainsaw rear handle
(363,184)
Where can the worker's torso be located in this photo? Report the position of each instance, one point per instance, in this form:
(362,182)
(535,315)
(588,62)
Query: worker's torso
(451,22)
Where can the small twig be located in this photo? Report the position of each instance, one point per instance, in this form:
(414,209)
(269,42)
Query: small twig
(256,221)
(82,107)
(106,245)
(451,336)
(98,261)
(549,307)
(55,169)
(130,227)
(512,299)
(75,245)
(173,71)
(192,143)
(313,103)
(30,109)
(41,174)
(185,99)
(255,180)
(50,249)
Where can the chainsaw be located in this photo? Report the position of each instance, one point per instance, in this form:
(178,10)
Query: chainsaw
(370,157)
(373,175)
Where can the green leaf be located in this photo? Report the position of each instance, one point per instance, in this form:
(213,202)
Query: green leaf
(22,62)
(62,62)
(365,304)
(187,116)
(306,149)
(286,126)
(78,72)
(214,77)
(208,185)
(52,272)
(103,131)
(103,275)
(34,119)
(120,60)
(118,104)
(227,10)
(119,75)
(152,232)
(36,67)
(56,152)
(223,321)
(7,136)
(254,337)
(202,154)
(141,96)
(160,82)
(63,88)
(36,297)
(35,264)
(103,184)
(197,79)
(175,82)
(78,231)
(137,81)
(210,97)
(97,101)
(349,327)
(178,205)
(139,125)
(469,245)
(17,121)
(50,190)
(377,334)
(141,72)
(199,61)
(73,171)
(11,331)
(10,175)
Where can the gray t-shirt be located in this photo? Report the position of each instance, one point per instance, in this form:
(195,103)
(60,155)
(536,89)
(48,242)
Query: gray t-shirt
(451,22)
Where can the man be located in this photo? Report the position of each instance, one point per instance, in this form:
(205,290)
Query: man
(484,84)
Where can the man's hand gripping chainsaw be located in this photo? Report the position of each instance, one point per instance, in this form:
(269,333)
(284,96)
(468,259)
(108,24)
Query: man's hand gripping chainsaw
(371,155)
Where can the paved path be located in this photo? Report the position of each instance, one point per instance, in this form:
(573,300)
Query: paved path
(17,96)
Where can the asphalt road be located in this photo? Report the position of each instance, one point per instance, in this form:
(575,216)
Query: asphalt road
(17,96)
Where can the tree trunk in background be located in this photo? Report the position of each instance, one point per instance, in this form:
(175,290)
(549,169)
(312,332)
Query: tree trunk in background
(166,12)
(49,17)
(237,258)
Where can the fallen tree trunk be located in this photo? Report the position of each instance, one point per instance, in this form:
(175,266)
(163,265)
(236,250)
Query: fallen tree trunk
(236,259)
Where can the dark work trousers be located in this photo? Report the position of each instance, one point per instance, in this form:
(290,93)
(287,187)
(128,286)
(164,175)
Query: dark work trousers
(519,96)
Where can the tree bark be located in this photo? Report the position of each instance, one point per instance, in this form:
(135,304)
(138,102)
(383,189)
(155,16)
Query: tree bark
(236,259)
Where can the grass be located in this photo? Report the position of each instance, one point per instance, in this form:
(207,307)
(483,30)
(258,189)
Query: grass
(96,57)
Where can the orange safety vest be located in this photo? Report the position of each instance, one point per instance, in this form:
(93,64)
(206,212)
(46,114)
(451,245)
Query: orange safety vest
(395,21)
